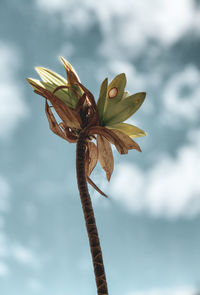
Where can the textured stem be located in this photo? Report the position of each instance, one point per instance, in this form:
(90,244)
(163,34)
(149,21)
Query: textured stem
(89,217)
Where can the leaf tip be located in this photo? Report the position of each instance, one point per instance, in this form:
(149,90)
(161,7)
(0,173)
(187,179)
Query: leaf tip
(144,94)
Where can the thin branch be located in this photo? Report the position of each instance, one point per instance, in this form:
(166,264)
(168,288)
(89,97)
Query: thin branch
(95,247)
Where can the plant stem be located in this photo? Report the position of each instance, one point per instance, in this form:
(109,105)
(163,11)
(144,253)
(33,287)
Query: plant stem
(95,247)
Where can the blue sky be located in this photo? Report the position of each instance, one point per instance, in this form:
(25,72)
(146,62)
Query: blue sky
(149,227)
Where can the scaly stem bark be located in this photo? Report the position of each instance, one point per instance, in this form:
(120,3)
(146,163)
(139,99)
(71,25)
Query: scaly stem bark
(95,247)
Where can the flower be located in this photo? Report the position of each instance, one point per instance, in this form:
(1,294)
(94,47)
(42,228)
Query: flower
(102,121)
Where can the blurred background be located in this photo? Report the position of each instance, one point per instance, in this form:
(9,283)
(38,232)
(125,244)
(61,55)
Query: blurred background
(150,226)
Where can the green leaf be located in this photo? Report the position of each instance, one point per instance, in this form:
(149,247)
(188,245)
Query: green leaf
(128,129)
(116,86)
(68,97)
(110,95)
(50,76)
(102,98)
(124,109)
(118,82)
(34,83)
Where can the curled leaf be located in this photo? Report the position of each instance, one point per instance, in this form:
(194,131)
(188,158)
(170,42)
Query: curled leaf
(58,129)
(89,180)
(70,118)
(53,125)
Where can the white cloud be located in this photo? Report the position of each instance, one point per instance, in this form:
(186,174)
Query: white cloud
(3,244)
(12,106)
(128,28)
(3,269)
(169,189)
(4,206)
(4,194)
(181,96)
(24,255)
(72,14)
(172,291)
(35,285)
(128,25)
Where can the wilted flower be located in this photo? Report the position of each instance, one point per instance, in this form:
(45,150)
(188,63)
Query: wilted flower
(78,111)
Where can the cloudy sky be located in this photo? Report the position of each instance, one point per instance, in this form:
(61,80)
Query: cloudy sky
(149,226)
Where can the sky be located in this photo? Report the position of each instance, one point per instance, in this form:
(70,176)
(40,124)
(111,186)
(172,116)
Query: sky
(149,225)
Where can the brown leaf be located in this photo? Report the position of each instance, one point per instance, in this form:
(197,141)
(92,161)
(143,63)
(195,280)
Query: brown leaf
(89,95)
(129,143)
(80,103)
(89,180)
(72,76)
(94,116)
(92,157)
(52,122)
(105,155)
(67,115)
(70,136)
(110,136)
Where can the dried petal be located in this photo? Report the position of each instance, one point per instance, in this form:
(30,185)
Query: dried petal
(70,118)
(105,155)
(72,76)
(128,142)
(92,156)
(70,136)
(89,180)
(53,125)
(94,117)
(110,136)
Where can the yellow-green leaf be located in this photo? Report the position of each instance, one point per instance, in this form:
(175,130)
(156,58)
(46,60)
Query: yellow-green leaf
(119,82)
(128,129)
(122,110)
(34,83)
(50,76)
(102,98)
(115,93)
